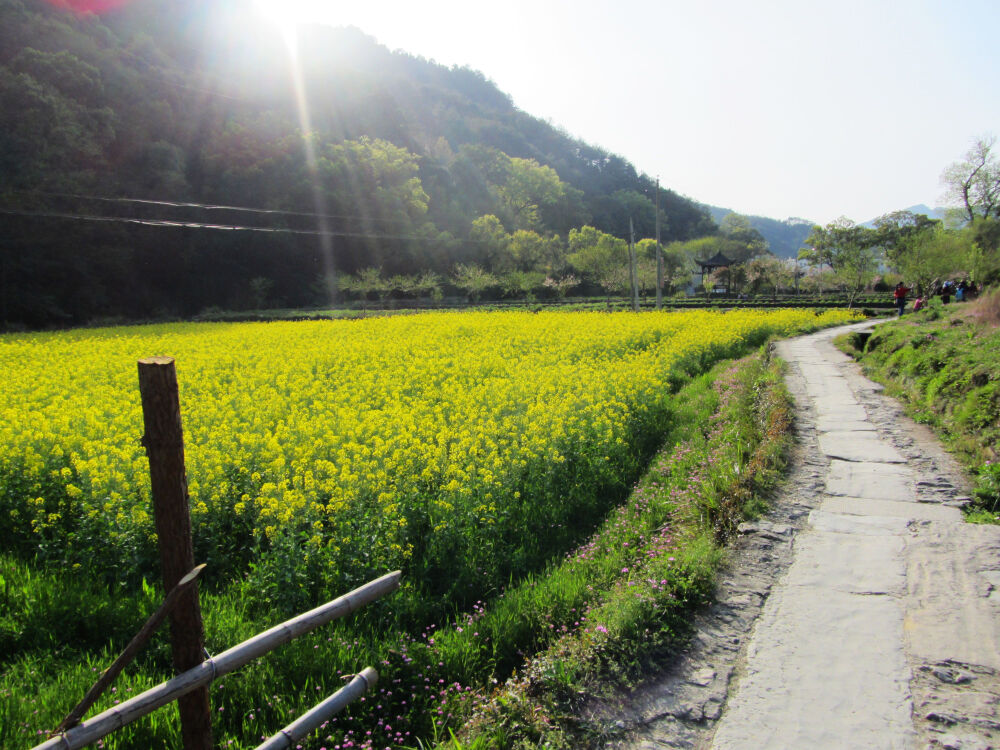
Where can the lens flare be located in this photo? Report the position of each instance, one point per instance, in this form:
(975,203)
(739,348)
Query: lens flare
(88,6)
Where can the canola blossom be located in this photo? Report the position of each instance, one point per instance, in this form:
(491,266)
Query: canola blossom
(447,444)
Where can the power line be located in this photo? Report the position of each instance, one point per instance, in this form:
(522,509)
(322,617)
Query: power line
(222,227)
(215,207)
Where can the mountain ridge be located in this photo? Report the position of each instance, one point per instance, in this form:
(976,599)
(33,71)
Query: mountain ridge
(784,237)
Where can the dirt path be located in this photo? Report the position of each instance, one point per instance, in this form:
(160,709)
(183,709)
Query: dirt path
(862,613)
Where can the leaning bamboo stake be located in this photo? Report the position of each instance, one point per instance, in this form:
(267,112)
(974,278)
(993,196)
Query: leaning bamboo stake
(126,656)
(217,666)
(310,721)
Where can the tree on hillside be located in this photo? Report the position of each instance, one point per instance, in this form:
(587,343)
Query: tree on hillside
(598,256)
(375,180)
(366,282)
(974,182)
(54,127)
(899,229)
(765,272)
(523,283)
(982,258)
(473,280)
(255,161)
(741,242)
(527,188)
(409,155)
(849,249)
(932,255)
(615,211)
(488,232)
(677,267)
(374,185)
(428,284)
(676,264)
(561,285)
(529,251)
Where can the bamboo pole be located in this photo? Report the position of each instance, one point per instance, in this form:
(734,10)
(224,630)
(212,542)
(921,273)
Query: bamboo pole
(164,443)
(228,661)
(310,721)
(126,656)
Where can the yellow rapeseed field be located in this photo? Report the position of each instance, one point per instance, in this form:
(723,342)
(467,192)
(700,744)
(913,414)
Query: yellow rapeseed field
(443,437)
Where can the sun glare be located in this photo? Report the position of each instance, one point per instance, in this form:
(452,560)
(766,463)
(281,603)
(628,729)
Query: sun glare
(284,14)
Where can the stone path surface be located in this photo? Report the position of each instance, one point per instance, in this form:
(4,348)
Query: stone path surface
(863,613)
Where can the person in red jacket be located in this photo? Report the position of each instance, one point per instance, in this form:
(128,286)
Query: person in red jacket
(899,294)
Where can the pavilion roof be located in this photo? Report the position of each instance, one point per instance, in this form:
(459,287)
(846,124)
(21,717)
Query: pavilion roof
(716,261)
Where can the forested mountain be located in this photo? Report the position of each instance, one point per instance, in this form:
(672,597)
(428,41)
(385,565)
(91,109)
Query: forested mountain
(196,107)
(784,238)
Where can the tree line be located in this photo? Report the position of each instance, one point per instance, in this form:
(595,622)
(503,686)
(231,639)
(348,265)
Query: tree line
(923,251)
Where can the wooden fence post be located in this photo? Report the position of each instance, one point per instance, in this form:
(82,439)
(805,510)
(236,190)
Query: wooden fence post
(164,445)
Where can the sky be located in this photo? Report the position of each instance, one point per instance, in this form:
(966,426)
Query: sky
(781,108)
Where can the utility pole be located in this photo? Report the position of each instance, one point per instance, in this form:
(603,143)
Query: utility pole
(659,252)
(633,270)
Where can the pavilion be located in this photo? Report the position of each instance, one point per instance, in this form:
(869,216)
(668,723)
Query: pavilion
(716,261)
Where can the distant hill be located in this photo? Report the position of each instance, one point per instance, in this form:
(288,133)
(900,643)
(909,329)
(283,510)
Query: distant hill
(931,213)
(784,237)
(939,213)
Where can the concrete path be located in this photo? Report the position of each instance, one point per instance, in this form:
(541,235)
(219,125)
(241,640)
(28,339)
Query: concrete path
(861,613)
(881,587)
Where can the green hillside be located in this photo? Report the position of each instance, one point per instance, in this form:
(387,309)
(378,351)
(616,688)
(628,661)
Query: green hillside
(193,103)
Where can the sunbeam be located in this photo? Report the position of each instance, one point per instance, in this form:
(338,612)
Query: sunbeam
(290,37)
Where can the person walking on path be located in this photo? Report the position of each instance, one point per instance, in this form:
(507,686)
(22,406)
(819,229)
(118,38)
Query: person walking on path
(899,294)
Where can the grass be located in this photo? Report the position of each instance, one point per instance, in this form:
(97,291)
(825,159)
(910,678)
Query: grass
(943,363)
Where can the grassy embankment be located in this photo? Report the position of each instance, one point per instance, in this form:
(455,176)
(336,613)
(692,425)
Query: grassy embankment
(943,363)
